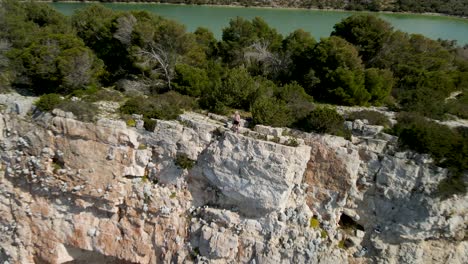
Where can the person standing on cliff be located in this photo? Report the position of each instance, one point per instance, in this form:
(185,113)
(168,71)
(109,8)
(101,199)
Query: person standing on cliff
(236,122)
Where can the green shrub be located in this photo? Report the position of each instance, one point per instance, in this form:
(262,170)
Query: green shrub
(184,162)
(271,112)
(104,95)
(131,122)
(149,124)
(164,106)
(48,102)
(144,178)
(84,111)
(238,89)
(341,244)
(459,106)
(323,233)
(451,185)
(142,146)
(56,167)
(190,80)
(275,139)
(314,222)
(292,142)
(298,102)
(82,93)
(324,120)
(448,147)
(424,136)
(374,117)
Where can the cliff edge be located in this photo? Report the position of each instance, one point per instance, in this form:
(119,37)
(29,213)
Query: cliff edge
(192,191)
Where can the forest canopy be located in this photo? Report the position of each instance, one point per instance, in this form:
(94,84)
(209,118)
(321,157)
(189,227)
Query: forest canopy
(364,61)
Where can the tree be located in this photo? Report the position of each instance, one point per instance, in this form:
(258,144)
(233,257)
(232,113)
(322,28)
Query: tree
(242,34)
(297,42)
(261,61)
(159,44)
(298,102)
(22,22)
(379,83)
(190,80)
(57,63)
(296,52)
(158,60)
(93,24)
(5,72)
(205,38)
(271,112)
(107,34)
(324,120)
(367,32)
(336,62)
(409,55)
(125,25)
(238,89)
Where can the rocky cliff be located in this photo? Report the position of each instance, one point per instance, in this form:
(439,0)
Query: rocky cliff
(193,191)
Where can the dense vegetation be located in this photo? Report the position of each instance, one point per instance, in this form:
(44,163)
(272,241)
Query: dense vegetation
(279,80)
(448,147)
(450,7)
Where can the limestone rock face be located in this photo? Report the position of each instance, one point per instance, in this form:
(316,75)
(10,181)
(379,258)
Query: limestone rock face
(256,176)
(215,244)
(193,192)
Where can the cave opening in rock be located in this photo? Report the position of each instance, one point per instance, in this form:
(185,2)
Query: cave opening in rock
(347,222)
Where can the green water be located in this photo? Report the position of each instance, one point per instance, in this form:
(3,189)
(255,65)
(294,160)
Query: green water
(319,23)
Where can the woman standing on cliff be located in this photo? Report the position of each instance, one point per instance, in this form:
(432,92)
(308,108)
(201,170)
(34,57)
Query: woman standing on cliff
(236,122)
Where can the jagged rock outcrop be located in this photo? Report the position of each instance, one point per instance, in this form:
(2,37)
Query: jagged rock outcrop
(255,176)
(192,191)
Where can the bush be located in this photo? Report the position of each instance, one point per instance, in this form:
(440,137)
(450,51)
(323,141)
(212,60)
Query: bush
(165,106)
(341,244)
(271,112)
(184,162)
(292,142)
(314,222)
(48,102)
(374,117)
(103,95)
(324,120)
(448,147)
(190,80)
(238,89)
(323,234)
(424,136)
(298,102)
(459,106)
(84,111)
(59,63)
(450,186)
(131,122)
(149,124)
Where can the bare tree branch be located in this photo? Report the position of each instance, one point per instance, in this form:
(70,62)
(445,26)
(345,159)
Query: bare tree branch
(125,28)
(272,63)
(164,60)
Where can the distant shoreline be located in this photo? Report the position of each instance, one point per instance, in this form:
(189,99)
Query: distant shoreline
(268,7)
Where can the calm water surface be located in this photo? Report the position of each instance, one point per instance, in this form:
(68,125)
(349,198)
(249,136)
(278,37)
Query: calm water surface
(319,23)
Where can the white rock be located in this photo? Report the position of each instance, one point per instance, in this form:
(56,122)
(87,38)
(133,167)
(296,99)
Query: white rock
(257,176)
